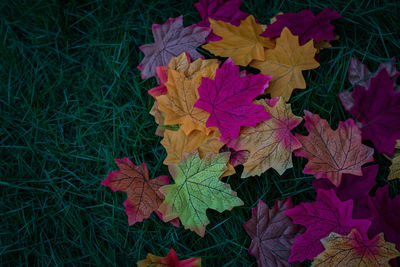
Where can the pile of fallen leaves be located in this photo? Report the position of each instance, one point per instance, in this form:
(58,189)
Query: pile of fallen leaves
(210,121)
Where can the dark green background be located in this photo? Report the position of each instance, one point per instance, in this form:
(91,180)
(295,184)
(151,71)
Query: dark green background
(72,100)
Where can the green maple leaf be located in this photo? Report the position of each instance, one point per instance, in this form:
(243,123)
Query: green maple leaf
(197,188)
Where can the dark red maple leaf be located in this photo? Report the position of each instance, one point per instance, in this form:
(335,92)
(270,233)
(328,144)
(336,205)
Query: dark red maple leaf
(327,214)
(353,187)
(143,195)
(225,10)
(305,25)
(385,216)
(377,111)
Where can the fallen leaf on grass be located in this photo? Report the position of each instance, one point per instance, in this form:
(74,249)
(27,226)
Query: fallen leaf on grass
(377,111)
(170,40)
(143,195)
(354,250)
(178,103)
(270,143)
(272,233)
(285,63)
(327,214)
(224,10)
(228,99)
(332,153)
(197,188)
(243,43)
(305,25)
(171,260)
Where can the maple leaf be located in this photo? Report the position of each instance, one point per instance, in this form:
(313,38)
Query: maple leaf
(177,143)
(182,64)
(270,143)
(354,251)
(385,215)
(197,188)
(242,43)
(224,10)
(177,104)
(345,190)
(162,75)
(170,40)
(171,260)
(272,233)
(332,153)
(143,195)
(285,63)
(377,111)
(305,25)
(360,75)
(228,99)
(237,157)
(327,214)
(395,168)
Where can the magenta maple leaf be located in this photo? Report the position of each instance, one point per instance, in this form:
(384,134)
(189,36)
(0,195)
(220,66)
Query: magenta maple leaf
(170,40)
(346,189)
(228,98)
(377,111)
(327,214)
(385,216)
(305,25)
(272,233)
(225,10)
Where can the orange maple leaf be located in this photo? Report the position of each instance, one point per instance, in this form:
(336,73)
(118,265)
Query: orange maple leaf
(177,104)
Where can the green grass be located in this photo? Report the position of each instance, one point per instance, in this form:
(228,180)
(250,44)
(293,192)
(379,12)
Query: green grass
(72,100)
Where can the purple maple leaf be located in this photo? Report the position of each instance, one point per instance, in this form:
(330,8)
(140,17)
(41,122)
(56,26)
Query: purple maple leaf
(229,99)
(385,216)
(305,25)
(346,189)
(170,40)
(225,10)
(377,111)
(327,214)
(272,233)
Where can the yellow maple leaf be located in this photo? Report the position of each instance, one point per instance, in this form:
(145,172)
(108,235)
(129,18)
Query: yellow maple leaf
(177,144)
(177,104)
(286,62)
(395,168)
(354,251)
(242,43)
(182,64)
(270,143)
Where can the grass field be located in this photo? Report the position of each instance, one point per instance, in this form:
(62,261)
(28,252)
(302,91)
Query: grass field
(72,100)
